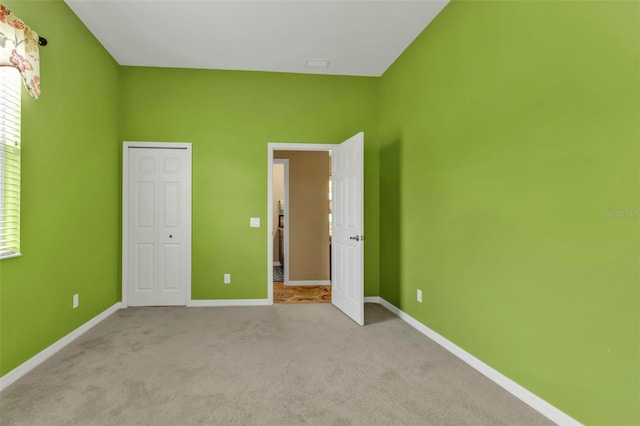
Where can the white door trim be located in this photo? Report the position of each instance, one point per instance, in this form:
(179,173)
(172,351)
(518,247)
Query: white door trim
(280,146)
(125,207)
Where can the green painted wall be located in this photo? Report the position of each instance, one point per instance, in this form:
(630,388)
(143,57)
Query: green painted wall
(509,133)
(500,150)
(230,117)
(70,190)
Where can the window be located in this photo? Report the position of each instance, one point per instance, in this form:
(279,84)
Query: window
(10,82)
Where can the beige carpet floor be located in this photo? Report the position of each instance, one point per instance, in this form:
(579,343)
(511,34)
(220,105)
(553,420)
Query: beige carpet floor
(271,365)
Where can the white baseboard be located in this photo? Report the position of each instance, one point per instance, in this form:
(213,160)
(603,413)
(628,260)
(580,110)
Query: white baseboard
(529,398)
(227,302)
(46,353)
(277,264)
(306,283)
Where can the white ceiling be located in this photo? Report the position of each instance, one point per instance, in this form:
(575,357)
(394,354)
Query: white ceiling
(358,37)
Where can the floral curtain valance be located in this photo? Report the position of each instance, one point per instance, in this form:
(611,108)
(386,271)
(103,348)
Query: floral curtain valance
(19,49)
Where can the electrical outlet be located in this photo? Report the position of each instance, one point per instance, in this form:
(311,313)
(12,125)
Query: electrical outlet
(227,278)
(419,295)
(76,300)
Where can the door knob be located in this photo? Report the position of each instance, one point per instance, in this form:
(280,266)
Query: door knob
(170,236)
(357,238)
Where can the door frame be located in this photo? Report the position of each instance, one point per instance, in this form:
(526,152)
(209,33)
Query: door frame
(125,210)
(271,147)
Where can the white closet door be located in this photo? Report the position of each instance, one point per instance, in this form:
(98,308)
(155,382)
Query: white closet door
(158,226)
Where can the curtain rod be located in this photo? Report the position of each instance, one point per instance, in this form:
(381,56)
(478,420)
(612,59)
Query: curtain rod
(42,41)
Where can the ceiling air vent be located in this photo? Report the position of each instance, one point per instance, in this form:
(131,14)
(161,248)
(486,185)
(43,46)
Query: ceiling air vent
(317,63)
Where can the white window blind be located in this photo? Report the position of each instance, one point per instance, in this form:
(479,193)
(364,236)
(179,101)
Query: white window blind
(9,162)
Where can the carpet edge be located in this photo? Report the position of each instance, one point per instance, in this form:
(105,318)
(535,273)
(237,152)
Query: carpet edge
(203,303)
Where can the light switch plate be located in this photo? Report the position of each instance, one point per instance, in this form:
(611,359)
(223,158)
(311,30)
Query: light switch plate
(255,222)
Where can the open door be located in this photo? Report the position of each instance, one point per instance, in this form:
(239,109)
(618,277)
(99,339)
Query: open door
(347,241)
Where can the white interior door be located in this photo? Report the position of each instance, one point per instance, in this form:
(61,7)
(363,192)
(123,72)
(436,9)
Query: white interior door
(347,241)
(158,220)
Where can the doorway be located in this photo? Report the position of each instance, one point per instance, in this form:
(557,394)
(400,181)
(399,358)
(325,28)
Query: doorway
(156,224)
(347,245)
(305,231)
(301,226)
